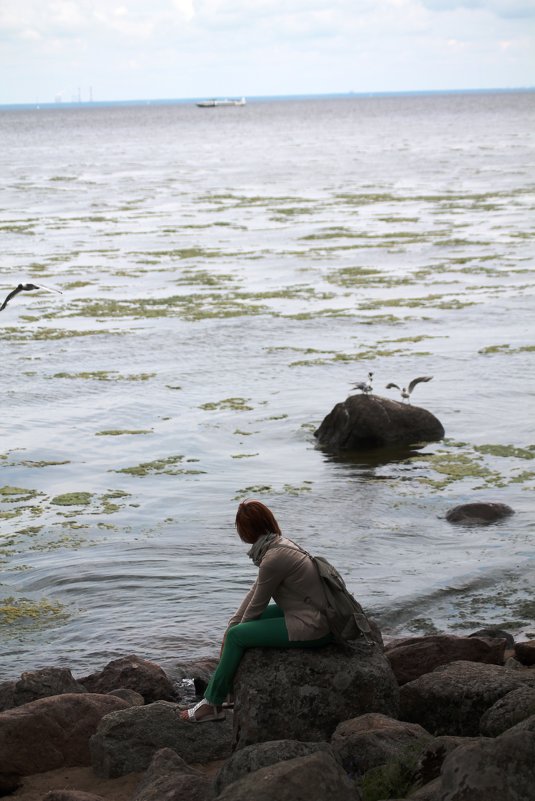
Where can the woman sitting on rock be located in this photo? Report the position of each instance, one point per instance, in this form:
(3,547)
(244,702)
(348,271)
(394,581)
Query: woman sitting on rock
(295,620)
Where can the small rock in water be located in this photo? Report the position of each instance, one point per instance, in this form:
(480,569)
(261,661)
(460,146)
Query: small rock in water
(478,513)
(492,633)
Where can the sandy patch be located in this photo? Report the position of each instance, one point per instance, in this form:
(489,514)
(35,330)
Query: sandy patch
(35,787)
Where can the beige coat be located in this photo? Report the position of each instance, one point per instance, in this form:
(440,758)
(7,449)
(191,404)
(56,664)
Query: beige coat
(287,575)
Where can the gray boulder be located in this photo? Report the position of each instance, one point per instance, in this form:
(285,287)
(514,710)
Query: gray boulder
(365,422)
(130,696)
(261,755)
(411,658)
(428,792)
(479,513)
(453,698)
(315,777)
(169,778)
(374,739)
(133,673)
(509,710)
(126,741)
(431,758)
(303,694)
(9,782)
(36,684)
(490,770)
(7,695)
(528,724)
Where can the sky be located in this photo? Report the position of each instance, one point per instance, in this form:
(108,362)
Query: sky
(106,50)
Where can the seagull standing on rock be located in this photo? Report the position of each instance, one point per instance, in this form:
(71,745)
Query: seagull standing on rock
(406,392)
(26,288)
(364,386)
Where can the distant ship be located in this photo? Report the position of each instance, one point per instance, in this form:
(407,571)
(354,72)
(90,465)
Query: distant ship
(228,101)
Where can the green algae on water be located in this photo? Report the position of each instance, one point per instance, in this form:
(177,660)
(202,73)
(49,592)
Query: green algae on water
(456,467)
(73,499)
(292,489)
(23,611)
(491,349)
(255,489)
(18,335)
(106,375)
(507,451)
(17,493)
(118,432)
(165,466)
(43,463)
(234,404)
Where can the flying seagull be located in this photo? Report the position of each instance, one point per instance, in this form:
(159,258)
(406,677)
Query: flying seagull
(406,392)
(26,288)
(364,386)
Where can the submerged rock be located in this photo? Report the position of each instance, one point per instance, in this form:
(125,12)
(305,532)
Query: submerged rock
(365,422)
(303,694)
(478,513)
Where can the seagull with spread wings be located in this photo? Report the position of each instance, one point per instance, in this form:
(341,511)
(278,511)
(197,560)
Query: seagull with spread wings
(407,391)
(26,288)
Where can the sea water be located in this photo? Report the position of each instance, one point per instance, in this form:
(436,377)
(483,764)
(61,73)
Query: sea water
(226,275)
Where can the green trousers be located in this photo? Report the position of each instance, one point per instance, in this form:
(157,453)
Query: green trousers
(269,631)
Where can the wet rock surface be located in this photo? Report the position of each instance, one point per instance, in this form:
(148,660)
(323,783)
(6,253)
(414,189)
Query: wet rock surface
(479,513)
(366,422)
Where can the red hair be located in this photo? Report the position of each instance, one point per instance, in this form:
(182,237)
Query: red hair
(253,519)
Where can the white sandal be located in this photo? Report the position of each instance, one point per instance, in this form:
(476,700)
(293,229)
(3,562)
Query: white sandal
(205,718)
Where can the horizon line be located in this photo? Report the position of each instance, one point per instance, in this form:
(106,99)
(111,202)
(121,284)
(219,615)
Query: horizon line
(37,104)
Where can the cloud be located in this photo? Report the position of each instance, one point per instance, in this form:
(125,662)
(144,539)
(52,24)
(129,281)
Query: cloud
(501,8)
(185,48)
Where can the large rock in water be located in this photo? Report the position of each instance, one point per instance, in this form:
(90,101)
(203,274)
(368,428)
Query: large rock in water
(364,422)
(303,694)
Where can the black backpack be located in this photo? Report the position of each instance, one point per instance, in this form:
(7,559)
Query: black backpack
(346,617)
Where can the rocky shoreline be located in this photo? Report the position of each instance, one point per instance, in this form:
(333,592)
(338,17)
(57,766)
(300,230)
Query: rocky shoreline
(436,718)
